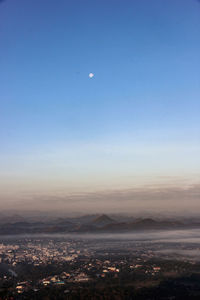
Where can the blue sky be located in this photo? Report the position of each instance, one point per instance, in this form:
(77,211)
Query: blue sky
(138,117)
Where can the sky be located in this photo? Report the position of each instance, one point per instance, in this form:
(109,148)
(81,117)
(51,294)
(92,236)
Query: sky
(133,126)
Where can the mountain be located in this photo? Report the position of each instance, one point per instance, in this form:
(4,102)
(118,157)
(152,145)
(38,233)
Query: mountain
(11,219)
(102,220)
(149,223)
(142,224)
(84,228)
(97,224)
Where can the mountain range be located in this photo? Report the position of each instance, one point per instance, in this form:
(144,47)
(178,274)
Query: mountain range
(88,224)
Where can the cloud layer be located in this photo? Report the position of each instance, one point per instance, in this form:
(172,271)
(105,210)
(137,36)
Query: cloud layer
(155,199)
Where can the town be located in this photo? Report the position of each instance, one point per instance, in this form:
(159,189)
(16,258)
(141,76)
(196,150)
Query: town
(35,266)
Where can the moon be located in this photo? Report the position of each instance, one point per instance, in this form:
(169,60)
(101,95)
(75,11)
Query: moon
(91,75)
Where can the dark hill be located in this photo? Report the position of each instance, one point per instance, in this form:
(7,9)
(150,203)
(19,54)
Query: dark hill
(102,220)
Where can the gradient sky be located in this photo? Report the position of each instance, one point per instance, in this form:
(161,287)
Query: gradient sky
(135,123)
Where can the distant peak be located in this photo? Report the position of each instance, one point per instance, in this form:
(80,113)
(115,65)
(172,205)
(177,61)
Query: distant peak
(102,219)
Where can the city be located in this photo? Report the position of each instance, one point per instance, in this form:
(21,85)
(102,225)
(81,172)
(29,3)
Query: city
(69,267)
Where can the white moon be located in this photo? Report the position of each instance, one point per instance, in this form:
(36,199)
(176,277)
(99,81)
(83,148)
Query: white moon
(91,75)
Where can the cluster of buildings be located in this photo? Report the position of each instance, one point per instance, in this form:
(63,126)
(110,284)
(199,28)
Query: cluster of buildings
(37,253)
(77,262)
